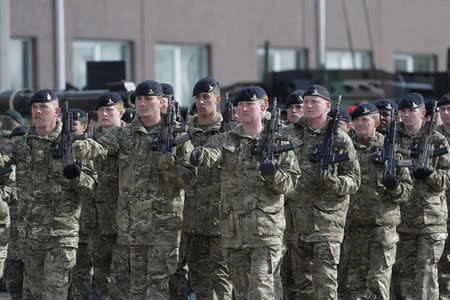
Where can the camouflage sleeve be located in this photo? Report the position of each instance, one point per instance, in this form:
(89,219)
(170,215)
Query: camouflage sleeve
(107,145)
(285,180)
(185,171)
(212,153)
(86,183)
(403,190)
(7,150)
(440,179)
(348,172)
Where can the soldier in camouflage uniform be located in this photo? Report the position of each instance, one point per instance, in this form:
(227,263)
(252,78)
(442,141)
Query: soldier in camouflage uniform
(52,201)
(384,107)
(321,200)
(424,216)
(444,262)
(294,106)
(201,238)
(371,238)
(252,217)
(150,203)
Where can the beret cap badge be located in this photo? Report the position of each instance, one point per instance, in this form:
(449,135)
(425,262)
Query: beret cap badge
(110,102)
(315,93)
(414,105)
(389,106)
(366,111)
(210,88)
(49,97)
(254,98)
(151,92)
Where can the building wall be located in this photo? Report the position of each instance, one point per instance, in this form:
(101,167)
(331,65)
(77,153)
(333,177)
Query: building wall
(232,29)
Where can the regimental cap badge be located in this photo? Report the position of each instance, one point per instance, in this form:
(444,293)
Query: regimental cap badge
(300,97)
(414,105)
(254,98)
(78,115)
(151,92)
(389,106)
(315,93)
(49,97)
(366,111)
(110,102)
(210,88)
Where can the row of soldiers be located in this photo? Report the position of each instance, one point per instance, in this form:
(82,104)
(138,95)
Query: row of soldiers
(206,200)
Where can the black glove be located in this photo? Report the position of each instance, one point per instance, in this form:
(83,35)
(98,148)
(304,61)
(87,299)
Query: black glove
(268,168)
(196,157)
(72,171)
(391,183)
(423,173)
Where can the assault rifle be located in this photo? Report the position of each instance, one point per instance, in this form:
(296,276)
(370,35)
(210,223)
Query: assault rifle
(166,141)
(227,113)
(422,151)
(266,147)
(323,153)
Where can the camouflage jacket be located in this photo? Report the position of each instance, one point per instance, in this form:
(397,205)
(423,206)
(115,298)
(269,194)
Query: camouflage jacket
(51,201)
(426,210)
(373,204)
(319,213)
(150,200)
(441,129)
(202,203)
(252,206)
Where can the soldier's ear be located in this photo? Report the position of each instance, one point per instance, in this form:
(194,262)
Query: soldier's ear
(57,110)
(377,123)
(424,111)
(217,99)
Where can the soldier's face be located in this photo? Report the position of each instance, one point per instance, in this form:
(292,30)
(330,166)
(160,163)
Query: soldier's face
(164,105)
(315,107)
(148,106)
(294,112)
(385,118)
(444,112)
(236,115)
(109,116)
(206,103)
(44,114)
(365,126)
(412,117)
(79,127)
(250,111)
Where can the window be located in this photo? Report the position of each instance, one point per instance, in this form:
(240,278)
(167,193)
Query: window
(343,60)
(181,66)
(21,63)
(281,60)
(414,63)
(84,51)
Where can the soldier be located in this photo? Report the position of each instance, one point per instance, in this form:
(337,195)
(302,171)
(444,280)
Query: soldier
(167,93)
(51,200)
(201,234)
(150,203)
(294,106)
(384,107)
(429,104)
(444,262)
(424,216)
(10,119)
(371,238)
(252,217)
(320,201)
(346,120)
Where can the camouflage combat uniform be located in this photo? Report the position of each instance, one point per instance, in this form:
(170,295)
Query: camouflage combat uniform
(424,226)
(370,241)
(149,211)
(252,218)
(201,240)
(52,210)
(319,211)
(7,195)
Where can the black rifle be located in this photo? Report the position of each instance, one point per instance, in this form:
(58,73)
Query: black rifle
(227,114)
(266,147)
(386,156)
(166,141)
(323,153)
(422,151)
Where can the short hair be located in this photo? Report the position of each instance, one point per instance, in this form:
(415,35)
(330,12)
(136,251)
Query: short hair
(216,90)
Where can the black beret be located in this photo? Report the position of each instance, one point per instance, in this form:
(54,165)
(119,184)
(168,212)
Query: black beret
(15,115)
(108,99)
(444,100)
(148,88)
(295,97)
(429,105)
(167,89)
(412,100)
(364,109)
(251,93)
(128,115)
(385,104)
(345,116)
(18,131)
(319,91)
(204,85)
(43,96)
(79,114)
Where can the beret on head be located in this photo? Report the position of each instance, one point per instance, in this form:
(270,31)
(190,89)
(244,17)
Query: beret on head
(108,99)
(15,115)
(79,114)
(148,88)
(18,131)
(412,100)
(251,93)
(204,85)
(364,110)
(167,89)
(295,97)
(345,115)
(429,105)
(43,96)
(319,91)
(386,104)
(444,100)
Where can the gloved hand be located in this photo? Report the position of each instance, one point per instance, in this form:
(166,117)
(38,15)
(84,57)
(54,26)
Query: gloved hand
(327,179)
(72,171)
(391,183)
(166,162)
(423,173)
(196,157)
(268,168)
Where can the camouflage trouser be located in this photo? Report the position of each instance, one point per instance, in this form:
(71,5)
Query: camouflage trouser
(80,287)
(366,263)
(415,271)
(287,276)
(208,269)
(444,271)
(47,271)
(315,269)
(252,271)
(142,272)
(178,281)
(103,245)
(14,278)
